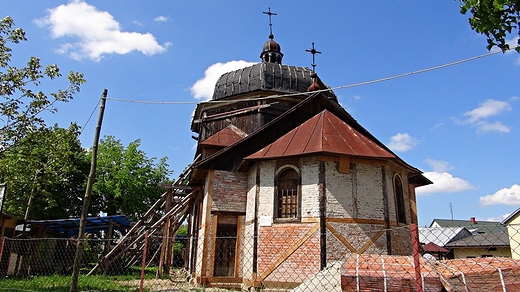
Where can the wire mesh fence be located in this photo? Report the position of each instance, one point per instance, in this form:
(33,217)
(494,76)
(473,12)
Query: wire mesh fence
(486,258)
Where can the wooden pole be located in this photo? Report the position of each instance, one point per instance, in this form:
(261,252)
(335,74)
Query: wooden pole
(86,199)
(143,262)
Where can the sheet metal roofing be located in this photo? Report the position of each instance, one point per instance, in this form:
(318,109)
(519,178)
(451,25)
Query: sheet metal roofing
(482,239)
(324,133)
(263,76)
(70,227)
(442,235)
(225,137)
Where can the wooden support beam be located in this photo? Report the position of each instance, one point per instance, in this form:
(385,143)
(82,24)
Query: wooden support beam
(371,241)
(206,224)
(166,235)
(340,238)
(213,250)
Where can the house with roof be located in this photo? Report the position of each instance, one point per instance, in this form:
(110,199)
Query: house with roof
(288,180)
(472,224)
(481,245)
(513,229)
(467,238)
(434,239)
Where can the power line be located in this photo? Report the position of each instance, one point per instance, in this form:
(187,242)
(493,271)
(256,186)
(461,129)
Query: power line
(152,102)
(328,89)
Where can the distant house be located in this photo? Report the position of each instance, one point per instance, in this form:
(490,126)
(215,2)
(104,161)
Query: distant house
(467,238)
(481,245)
(513,229)
(472,225)
(441,236)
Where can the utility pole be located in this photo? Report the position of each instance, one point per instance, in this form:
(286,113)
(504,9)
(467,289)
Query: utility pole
(86,199)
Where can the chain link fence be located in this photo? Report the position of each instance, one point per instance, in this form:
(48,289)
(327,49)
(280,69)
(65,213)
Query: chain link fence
(441,259)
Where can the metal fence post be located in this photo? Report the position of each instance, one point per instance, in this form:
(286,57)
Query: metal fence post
(416,255)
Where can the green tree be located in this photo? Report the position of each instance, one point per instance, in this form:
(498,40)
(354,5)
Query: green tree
(496,19)
(21,103)
(45,174)
(126,179)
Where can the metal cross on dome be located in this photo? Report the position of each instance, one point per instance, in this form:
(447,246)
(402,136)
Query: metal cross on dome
(270,23)
(313,52)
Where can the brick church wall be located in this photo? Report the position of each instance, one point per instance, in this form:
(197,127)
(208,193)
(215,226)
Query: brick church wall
(229,191)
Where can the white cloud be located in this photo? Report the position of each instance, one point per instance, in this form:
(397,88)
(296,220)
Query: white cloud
(483,127)
(161,18)
(402,142)
(443,182)
(490,107)
(478,116)
(506,196)
(498,218)
(439,165)
(203,88)
(97,33)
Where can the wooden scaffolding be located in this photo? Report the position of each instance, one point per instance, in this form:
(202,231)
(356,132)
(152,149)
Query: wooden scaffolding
(158,226)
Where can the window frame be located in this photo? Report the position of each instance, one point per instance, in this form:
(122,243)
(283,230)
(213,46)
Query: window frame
(281,170)
(399,199)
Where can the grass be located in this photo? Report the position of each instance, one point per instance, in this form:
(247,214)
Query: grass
(61,283)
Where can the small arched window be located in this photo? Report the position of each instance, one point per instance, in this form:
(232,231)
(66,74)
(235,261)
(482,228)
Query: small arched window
(287,194)
(399,200)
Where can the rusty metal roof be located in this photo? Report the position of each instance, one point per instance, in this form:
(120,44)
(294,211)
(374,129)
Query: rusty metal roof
(225,137)
(324,133)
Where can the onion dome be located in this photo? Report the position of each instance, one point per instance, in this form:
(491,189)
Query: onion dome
(272,52)
(263,76)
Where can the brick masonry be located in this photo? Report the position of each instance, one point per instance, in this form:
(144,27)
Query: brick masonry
(229,191)
(357,195)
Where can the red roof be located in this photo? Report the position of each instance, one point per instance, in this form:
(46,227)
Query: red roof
(324,133)
(432,247)
(225,137)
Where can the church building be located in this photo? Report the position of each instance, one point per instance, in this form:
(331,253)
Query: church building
(289,181)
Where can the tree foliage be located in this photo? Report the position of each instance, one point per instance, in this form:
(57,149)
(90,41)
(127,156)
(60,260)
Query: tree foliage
(48,168)
(21,103)
(496,19)
(126,179)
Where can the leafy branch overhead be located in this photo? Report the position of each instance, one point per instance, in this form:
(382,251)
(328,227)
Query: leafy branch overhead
(496,19)
(21,102)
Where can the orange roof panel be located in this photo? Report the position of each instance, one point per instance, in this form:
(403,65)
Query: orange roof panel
(224,138)
(324,133)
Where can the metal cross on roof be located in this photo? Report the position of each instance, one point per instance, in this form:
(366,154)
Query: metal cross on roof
(313,52)
(270,23)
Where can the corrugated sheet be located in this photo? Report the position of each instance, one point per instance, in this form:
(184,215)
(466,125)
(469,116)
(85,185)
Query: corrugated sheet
(482,240)
(70,227)
(324,133)
(442,235)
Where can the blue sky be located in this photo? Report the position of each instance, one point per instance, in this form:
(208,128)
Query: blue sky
(459,124)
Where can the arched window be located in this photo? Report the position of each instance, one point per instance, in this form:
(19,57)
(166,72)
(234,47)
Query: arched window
(399,200)
(287,195)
